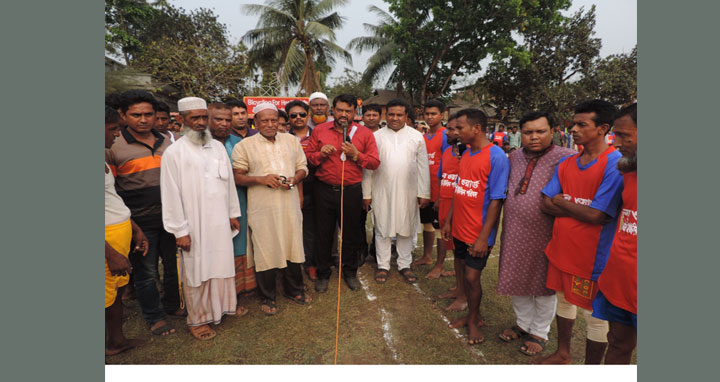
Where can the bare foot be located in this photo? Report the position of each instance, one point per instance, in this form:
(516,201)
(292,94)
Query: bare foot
(127,345)
(447,274)
(554,359)
(452,293)
(434,273)
(425,260)
(457,305)
(460,322)
(475,335)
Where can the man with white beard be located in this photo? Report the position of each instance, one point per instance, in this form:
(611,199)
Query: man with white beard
(201,209)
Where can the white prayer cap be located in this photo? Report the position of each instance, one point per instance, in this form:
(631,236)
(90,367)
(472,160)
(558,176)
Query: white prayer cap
(264,106)
(192,103)
(317,95)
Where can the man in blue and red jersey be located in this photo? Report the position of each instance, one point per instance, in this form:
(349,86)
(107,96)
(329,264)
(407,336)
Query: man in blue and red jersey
(616,302)
(584,196)
(499,137)
(327,150)
(475,210)
(435,142)
(447,173)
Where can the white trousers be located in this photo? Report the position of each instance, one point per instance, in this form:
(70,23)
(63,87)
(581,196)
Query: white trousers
(382,251)
(535,313)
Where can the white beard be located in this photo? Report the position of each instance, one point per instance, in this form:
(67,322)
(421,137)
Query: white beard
(199,138)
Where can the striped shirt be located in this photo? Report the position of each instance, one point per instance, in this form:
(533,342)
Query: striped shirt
(137,176)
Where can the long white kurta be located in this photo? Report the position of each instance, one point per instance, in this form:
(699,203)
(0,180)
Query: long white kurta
(403,176)
(199,198)
(274,216)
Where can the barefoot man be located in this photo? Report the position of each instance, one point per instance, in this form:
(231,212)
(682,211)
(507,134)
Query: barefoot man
(436,143)
(201,209)
(447,173)
(475,210)
(119,230)
(526,232)
(584,196)
(616,301)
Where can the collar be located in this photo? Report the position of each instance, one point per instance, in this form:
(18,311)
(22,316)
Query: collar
(129,138)
(310,129)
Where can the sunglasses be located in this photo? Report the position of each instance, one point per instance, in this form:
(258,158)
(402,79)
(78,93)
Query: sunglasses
(295,115)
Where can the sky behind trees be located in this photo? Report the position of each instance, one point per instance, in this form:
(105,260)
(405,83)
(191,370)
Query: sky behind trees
(616,24)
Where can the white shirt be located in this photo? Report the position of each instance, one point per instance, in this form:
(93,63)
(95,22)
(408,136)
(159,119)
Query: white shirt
(402,177)
(199,198)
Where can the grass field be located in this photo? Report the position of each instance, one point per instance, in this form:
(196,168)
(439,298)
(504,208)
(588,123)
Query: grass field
(391,323)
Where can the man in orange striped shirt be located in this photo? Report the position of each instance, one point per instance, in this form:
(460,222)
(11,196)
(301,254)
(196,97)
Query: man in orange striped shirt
(135,160)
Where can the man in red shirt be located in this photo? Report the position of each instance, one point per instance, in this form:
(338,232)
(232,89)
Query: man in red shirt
(339,160)
(475,210)
(584,197)
(435,142)
(500,136)
(616,302)
(447,174)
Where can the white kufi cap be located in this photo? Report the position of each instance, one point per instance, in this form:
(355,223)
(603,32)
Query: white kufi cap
(191,103)
(264,106)
(317,95)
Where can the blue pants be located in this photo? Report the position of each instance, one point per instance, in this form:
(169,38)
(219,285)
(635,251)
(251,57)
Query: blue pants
(161,245)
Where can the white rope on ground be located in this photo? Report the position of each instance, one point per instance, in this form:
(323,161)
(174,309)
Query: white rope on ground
(455,331)
(385,318)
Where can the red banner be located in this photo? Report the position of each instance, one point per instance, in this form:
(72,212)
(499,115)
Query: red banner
(279,102)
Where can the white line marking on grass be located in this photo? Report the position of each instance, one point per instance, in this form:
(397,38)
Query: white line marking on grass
(455,331)
(385,318)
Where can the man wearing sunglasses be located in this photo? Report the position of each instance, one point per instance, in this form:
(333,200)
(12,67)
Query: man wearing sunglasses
(298,115)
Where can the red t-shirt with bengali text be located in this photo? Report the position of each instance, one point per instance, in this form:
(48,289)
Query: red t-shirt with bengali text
(435,144)
(618,282)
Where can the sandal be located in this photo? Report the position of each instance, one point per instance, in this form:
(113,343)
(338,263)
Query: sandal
(272,307)
(519,333)
(300,299)
(524,349)
(381,276)
(203,332)
(163,330)
(409,276)
(241,311)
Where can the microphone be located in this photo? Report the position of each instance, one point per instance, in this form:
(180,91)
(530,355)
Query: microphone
(344,125)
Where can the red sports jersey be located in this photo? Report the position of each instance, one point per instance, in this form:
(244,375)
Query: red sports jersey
(434,145)
(576,247)
(610,138)
(482,177)
(498,137)
(448,173)
(618,282)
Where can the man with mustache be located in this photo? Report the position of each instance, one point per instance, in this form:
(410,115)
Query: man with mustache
(616,301)
(135,158)
(340,160)
(584,195)
(220,120)
(319,109)
(396,188)
(201,210)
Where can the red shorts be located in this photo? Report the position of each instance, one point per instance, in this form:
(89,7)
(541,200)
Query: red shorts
(578,291)
(443,209)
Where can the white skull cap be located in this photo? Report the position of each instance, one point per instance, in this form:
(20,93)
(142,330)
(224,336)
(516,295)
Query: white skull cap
(264,106)
(317,95)
(191,103)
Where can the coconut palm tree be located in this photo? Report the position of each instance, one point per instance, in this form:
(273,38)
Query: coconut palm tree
(380,41)
(297,36)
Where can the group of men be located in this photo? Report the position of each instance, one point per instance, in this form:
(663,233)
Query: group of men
(241,207)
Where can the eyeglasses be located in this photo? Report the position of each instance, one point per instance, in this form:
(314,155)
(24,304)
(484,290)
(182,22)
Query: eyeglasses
(295,115)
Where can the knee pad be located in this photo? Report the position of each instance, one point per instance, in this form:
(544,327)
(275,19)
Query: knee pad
(597,329)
